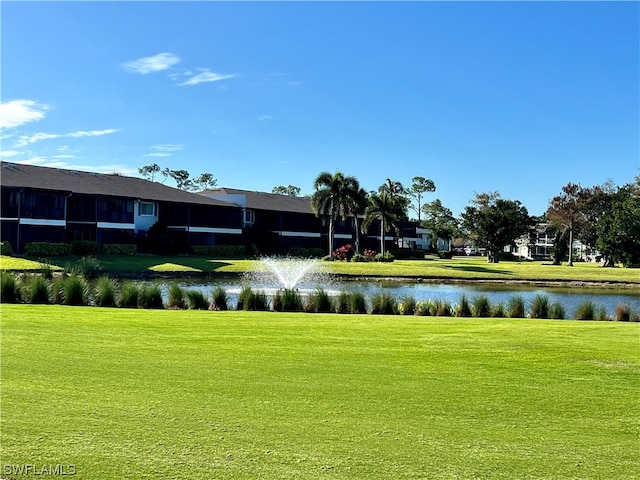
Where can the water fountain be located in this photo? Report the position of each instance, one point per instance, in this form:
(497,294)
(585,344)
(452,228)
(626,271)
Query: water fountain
(289,272)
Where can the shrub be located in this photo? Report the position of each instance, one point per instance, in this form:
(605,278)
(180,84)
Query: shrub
(57,290)
(586,311)
(9,288)
(219,250)
(481,306)
(540,307)
(250,300)
(105,292)
(300,252)
(342,303)
(602,315)
(88,267)
(319,302)
(623,313)
(556,311)
(407,306)
(425,308)
(515,307)
(5,248)
(150,297)
(37,290)
(343,253)
(358,257)
(442,308)
(47,249)
(85,248)
(369,254)
(464,309)
(129,295)
(196,300)
(75,291)
(445,254)
(176,296)
(498,310)
(287,300)
(387,257)
(119,249)
(384,303)
(219,299)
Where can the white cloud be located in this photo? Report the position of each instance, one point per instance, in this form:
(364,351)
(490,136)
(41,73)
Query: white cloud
(25,140)
(206,76)
(18,112)
(9,153)
(46,162)
(265,117)
(156,63)
(167,147)
(92,133)
(157,154)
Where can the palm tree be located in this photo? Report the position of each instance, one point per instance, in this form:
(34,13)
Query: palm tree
(332,198)
(383,206)
(356,205)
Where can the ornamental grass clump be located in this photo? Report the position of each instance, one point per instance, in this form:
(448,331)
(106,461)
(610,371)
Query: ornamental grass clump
(129,295)
(383,303)
(425,308)
(37,290)
(150,297)
(557,311)
(463,308)
(481,306)
(75,291)
(319,302)
(219,299)
(624,313)
(287,300)
(88,267)
(515,307)
(602,315)
(105,291)
(586,311)
(442,308)
(498,310)
(57,290)
(9,288)
(176,297)
(252,300)
(357,303)
(196,300)
(407,305)
(342,303)
(540,307)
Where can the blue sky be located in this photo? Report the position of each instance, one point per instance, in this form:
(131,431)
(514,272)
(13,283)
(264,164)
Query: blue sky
(518,97)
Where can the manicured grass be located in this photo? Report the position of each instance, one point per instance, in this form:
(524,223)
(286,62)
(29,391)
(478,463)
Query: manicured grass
(459,268)
(135,394)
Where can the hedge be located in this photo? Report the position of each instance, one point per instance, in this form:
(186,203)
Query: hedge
(119,249)
(47,249)
(219,250)
(5,248)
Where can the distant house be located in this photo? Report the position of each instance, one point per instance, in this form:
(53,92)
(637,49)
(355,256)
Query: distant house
(277,223)
(41,204)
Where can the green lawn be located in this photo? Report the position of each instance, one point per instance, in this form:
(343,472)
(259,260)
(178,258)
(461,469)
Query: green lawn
(141,394)
(459,268)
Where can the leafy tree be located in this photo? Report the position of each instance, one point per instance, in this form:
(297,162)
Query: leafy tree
(418,188)
(565,210)
(439,220)
(149,171)
(619,229)
(181,177)
(388,210)
(495,222)
(595,202)
(331,198)
(290,190)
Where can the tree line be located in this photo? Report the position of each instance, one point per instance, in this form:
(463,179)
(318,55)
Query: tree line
(605,218)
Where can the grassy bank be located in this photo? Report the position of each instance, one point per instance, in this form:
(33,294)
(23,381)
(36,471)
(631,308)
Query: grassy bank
(199,395)
(458,268)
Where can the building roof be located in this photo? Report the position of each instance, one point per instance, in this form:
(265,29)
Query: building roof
(73,181)
(262,200)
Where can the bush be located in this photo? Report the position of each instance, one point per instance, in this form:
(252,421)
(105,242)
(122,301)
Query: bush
(37,290)
(219,299)
(556,311)
(219,250)
(5,248)
(57,290)
(540,307)
(369,254)
(250,300)
(46,249)
(358,257)
(343,253)
(425,308)
(623,313)
(319,302)
(119,249)
(481,306)
(586,311)
(515,308)
(176,297)
(105,292)
(85,248)
(287,300)
(383,303)
(9,288)
(463,309)
(445,254)
(196,300)
(357,303)
(342,303)
(407,306)
(150,297)
(129,295)
(498,310)
(88,267)
(602,315)
(300,252)
(387,257)
(75,291)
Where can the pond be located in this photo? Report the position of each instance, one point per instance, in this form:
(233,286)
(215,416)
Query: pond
(569,297)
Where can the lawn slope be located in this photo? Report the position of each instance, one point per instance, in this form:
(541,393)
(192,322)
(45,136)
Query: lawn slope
(140,394)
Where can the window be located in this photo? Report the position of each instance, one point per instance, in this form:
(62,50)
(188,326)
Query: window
(147,208)
(249,217)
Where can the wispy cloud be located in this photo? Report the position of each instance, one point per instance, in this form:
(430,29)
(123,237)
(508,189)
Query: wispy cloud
(9,153)
(206,76)
(167,147)
(105,168)
(156,63)
(262,118)
(18,112)
(157,154)
(25,140)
